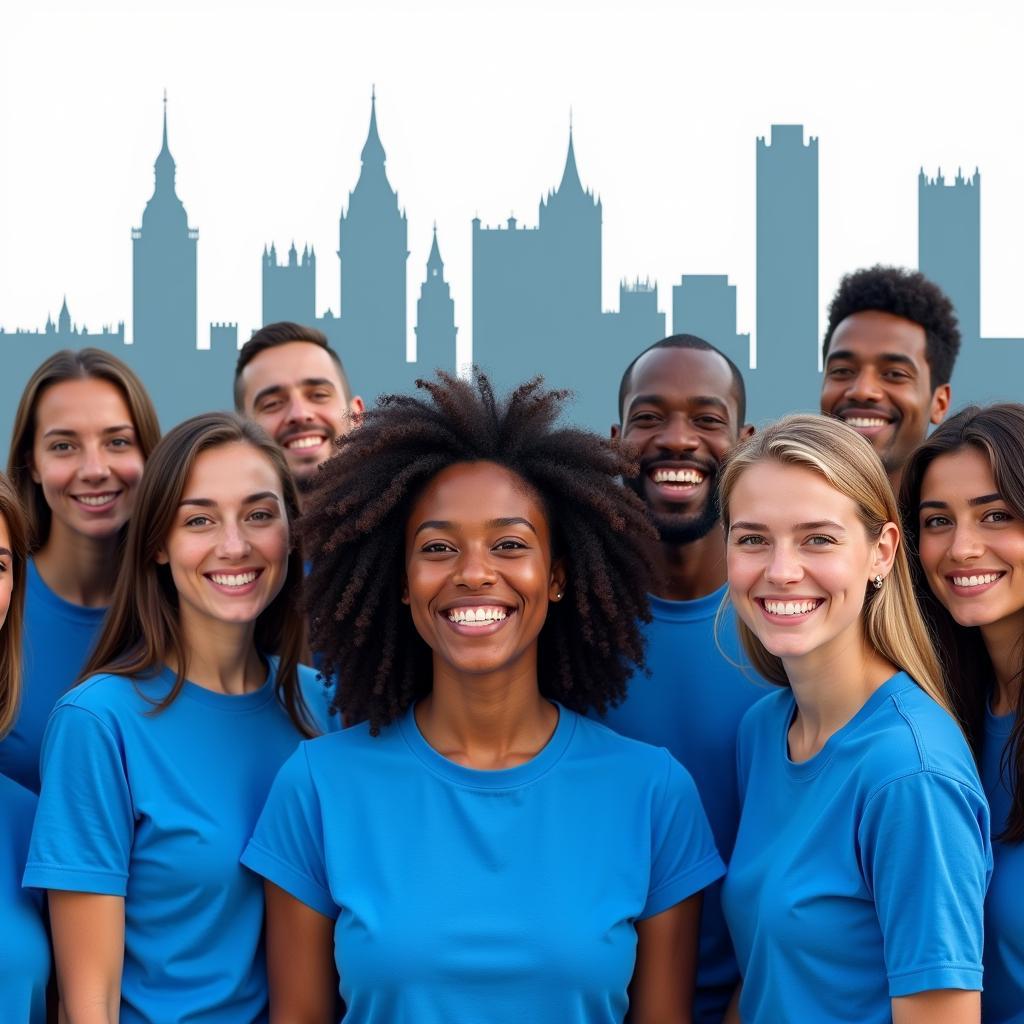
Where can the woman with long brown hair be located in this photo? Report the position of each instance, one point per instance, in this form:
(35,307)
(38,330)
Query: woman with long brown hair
(963,500)
(24,946)
(154,769)
(82,432)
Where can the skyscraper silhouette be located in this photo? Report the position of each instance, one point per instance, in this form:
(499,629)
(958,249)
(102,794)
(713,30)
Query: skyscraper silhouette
(373,249)
(705,305)
(788,339)
(289,289)
(435,319)
(164,266)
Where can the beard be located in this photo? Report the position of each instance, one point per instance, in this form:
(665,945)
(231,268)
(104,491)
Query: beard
(681,528)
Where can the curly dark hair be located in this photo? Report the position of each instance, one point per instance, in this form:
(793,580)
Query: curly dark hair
(353,534)
(908,294)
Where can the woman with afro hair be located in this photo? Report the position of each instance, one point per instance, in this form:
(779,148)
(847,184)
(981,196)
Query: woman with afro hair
(475,849)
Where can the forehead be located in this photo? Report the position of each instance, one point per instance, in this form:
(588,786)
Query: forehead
(477,492)
(872,336)
(781,496)
(81,405)
(286,365)
(678,375)
(231,470)
(964,473)
(5,533)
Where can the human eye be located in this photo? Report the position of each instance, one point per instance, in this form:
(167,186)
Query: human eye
(751,540)
(820,540)
(261,515)
(897,375)
(269,405)
(322,395)
(61,447)
(510,544)
(708,420)
(120,442)
(839,372)
(436,547)
(643,418)
(935,522)
(997,515)
(198,521)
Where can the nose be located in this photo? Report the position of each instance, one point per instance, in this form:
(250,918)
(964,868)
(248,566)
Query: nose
(783,565)
(233,543)
(298,410)
(678,434)
(965,543)
(94,465)
(474,568)
(865,387)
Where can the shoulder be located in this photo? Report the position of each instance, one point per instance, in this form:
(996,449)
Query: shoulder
(596,738)
(107,697)
(349,750)
(774,707)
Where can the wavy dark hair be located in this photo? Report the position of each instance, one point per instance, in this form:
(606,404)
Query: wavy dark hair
(353,533)
(997,431)
(13,514)
(142,628)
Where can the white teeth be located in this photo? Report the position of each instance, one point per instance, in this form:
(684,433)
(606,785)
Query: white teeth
(866,421)
(95,500)
(233,580)
(790,607)
(677,476)
(471,616)
(976,581)
(304,442)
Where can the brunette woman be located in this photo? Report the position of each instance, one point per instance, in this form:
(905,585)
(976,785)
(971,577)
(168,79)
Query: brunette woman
(475,849)
(964,505)
(856,888)
(155,768)
(83,429)
(24,945)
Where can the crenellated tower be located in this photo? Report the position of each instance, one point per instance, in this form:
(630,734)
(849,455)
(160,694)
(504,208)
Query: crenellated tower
(289,289)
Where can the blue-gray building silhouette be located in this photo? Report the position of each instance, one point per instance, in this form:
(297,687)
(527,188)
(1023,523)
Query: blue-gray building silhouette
(435,319)
(705,305)
(289,289)
(788,339)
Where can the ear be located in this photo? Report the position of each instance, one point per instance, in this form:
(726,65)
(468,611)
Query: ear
(940,403)
(556,588)
(885,550)
(747,430)
(615,432)
(356,408)
(33,472)
(161,556)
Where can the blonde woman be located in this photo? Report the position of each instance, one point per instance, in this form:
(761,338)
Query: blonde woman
(857,885)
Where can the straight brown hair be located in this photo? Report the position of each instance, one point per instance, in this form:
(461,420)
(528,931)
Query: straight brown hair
(142,629)
(70,364)
(10,635)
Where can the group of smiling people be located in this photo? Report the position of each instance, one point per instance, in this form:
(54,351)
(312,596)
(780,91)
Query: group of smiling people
(439,825)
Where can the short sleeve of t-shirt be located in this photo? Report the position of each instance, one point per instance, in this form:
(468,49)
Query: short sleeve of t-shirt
(926,856)
(287,846)
(684,859)
(82,837)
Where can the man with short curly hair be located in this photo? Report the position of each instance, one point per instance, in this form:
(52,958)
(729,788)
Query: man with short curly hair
(889,350)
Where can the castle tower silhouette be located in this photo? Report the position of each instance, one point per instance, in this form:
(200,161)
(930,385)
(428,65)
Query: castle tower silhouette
(435,319)
(289,289)
(164,265)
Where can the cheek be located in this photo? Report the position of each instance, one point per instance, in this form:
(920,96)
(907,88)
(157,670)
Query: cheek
(130,471)
(930,550)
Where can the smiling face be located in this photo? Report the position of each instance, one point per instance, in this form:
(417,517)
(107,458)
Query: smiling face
(972,542)
(295,392)
(800,562)
(878,380)
(227,549)
(479,571)
(680,410)
(86,457)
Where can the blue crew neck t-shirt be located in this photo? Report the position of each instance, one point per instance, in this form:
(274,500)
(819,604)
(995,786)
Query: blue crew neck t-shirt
(500,896)
(1003,999)
(692,704)
(157,809)
(57,638)
(24,946)
(858,875)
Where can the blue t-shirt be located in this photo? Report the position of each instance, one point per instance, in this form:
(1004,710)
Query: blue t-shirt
(692,704)
(57,639)
(1003,1000)
(157,809)
(500,896)
(859,874)
(24,946)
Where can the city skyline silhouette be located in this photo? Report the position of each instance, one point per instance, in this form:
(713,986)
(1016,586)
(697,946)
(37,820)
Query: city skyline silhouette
(536,294)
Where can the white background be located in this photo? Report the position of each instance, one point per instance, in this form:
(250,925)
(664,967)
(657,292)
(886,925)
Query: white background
(268,111)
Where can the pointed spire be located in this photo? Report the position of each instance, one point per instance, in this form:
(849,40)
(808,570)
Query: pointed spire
(64,318)
(571,176)
(165,162)
(435,265)
(373,150)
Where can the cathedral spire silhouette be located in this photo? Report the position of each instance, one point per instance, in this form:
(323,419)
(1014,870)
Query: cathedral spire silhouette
(373,149)
(164,165)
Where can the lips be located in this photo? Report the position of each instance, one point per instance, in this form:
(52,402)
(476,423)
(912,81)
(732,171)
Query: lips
(304,441)
(866,420)
(235,581)
(96,501)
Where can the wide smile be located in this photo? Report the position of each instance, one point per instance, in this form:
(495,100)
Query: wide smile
(867,422)
(236,583)
(676,483)
(303,444)
(973,584)
(96,501)
(477,620)
(788,611)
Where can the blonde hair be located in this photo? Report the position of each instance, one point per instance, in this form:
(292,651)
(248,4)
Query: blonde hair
(10,635)
(893,624)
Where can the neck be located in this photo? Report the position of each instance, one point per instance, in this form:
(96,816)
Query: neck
(488,721)
(221,656)
(896,478)
(1003,641)
(79,569)
(830,687)
(689,571)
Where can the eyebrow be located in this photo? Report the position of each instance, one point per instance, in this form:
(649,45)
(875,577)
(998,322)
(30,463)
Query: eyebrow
(306,382)
(491,524)
(886,357)
(818,524)
(985,499)
(693,400)
(250,500)
(64,432)
(5,553)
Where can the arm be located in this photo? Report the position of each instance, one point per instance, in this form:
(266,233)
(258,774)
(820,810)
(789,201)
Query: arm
(300,961)
(941,1006)
(661,991)
(88,951)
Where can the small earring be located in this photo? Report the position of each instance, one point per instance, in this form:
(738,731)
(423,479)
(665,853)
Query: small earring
(558,596)
(878,581)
